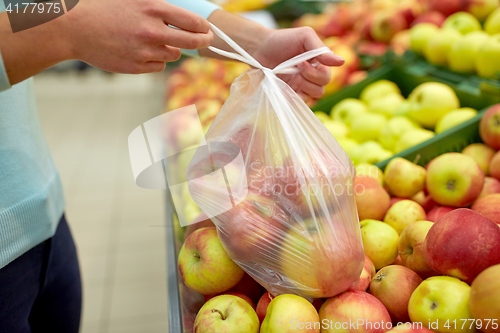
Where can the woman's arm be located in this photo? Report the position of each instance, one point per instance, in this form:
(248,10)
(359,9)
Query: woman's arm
(125,36)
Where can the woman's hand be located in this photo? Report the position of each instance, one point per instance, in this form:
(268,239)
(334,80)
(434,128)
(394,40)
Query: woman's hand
(281,45)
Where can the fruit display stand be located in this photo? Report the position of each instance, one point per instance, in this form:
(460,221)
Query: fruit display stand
(408,75)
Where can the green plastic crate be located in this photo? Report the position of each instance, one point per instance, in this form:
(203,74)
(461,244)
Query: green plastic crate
(408,78)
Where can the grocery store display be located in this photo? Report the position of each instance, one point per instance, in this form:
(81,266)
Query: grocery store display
(424,180)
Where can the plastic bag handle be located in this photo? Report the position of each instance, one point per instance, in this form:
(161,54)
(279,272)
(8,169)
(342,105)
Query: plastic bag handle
(287,67)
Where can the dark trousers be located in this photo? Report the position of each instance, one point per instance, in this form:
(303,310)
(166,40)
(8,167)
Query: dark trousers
(41,290)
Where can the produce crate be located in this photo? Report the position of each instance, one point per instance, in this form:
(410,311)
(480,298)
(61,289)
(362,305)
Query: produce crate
(408,76)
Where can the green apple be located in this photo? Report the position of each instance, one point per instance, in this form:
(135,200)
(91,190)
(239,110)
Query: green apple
(204,265)
(348,109)
(379,89)
(412,250)
(323,117)
(454,118)
(413,138)
(287,313)
(370,170)
(347,144)
(380,242)
(386,105)
(420,35)
(463,52)
(226,313)
(487,64)
(492,23)
(437,48)
(369,152)
(403,213)
(393,285)
(395,127)
(441,301)
(482,8)
(367,127)
(462,22)
(430,101)
(404,178)
(337,128)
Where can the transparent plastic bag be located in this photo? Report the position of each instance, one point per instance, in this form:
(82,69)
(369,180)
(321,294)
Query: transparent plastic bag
(290,220)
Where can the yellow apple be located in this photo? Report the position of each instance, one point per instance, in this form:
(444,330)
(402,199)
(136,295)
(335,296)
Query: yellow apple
(404,178)
(380,242)
(367,127)
(336,128)
(323,117)
(482,154)
(442,301)
(386,105)
(370,170)
(430,101)
(204,264)
(462,22)
(463,52)
(492,23)
(348,109)
(226,313)
(290,313)
(403,213)
(420,35)
(369,152)
(487,64)
(379,89)
(437,48)
(482,8)
(347,144)
(413,138)
(395,127)
(453,118)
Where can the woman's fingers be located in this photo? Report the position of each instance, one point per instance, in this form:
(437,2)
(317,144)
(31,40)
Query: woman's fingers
(319,75)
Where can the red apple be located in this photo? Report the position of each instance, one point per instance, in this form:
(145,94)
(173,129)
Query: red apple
(262,305)
(446,7)
(359,307)
(484,296)
(429,203)
(248,286)
(386,24)
(462,244)
(495,166)
(371,198)
(433,17)
(489,207)
(437,212)
(454,179)
(366,276)
(489,128)
(393,286)
(204,223)
(398,261)
(356,77)
(491,186)
(411,248)
(410,9)
(374,49)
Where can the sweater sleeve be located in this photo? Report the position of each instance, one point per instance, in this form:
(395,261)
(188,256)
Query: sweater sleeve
(4,80)
(200,7)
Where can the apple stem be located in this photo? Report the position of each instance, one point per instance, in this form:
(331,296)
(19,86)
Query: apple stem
(405,252)
(434,305)
(380,277)
(221,314)
(196,255)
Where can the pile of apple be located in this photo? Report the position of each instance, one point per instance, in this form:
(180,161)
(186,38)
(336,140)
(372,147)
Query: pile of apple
(431,240)
(381,122)
(204,82)
(461,43)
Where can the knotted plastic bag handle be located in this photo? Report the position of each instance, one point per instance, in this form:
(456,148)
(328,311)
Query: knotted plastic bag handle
(287,67)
